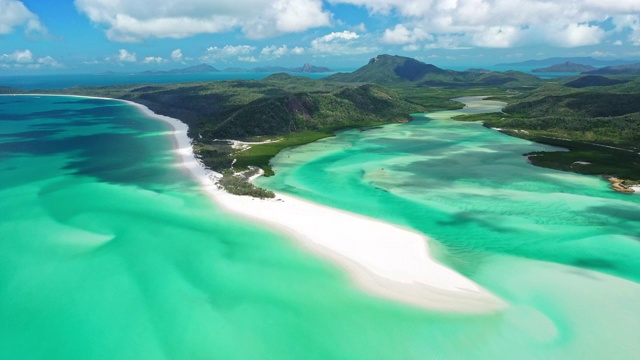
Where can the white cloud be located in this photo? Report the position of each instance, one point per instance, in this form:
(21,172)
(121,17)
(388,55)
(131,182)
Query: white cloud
(297,50)
(49,61)
(129,21)
(247,59)
(273,52)
(497,37)
(126,56)
(360,27)
(13,14)
(401,35)
(340,43)
(18,57)
(630,23)
(411,47)
(602,54)
(176,55)
(153,59)
(503,23)
(574,35)
(346,35)
(228,51)
(26,58)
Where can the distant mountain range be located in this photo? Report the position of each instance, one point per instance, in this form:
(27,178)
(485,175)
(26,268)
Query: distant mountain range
(204,68)
(197,69)
(306,68)
(628,69)
(398,70)
(559,60)
(565,68)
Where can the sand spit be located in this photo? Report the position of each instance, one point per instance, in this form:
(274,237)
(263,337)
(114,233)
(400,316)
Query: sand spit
(381,258)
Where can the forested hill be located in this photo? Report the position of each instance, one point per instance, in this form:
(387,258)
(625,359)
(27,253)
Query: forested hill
(597,118)
(279,104)
(607,112)
(630,69)
(396,70)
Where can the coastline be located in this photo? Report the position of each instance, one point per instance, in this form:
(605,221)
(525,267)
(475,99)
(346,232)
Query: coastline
(381,258)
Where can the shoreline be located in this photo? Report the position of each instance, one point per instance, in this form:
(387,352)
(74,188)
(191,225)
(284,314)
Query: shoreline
(381,259)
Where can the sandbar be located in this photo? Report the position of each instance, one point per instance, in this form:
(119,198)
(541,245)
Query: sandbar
(382,259)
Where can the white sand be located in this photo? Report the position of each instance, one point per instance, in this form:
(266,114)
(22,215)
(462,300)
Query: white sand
(381,258)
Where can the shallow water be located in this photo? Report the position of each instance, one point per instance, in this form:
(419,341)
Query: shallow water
(108,250)
(562,248)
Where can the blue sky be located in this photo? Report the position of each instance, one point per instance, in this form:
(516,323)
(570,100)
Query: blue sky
(87,36)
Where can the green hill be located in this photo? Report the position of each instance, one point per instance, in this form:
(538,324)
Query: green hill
(565,67)
(630,69)
(396,70)
(388,69)
(593,81)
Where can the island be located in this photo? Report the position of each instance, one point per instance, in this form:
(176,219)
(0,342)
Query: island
(565,67)
(598,120)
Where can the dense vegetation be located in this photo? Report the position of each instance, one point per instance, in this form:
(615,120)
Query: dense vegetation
(600,124)
(588,110)
(239,184)
(626,69)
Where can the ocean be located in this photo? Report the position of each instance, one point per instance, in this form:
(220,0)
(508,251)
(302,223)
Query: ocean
(61,81)
(111,251)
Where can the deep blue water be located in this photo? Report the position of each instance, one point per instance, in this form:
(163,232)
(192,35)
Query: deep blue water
(34,82)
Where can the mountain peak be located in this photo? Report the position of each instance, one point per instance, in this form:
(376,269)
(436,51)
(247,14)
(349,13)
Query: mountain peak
(386,69)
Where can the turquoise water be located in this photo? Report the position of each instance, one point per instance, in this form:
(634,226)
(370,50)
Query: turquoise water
(108,250)
(496,219)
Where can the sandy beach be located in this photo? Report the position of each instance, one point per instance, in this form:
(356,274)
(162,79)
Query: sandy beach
(381,258)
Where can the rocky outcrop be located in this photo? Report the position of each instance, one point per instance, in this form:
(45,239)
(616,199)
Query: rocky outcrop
(619,185)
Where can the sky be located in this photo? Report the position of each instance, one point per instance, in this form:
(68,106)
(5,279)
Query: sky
(89,36)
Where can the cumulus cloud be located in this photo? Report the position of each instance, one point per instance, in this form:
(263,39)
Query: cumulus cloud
(20,58)
(153,59)
(176,55)
(574,35)
(241,52)
(247,59)
(14,14)
(49,62)
(297,50)
(629,23)
(401,35)
(340,43)
(503,23)
(126,56)
(129,21)
(497,37)
(272,52)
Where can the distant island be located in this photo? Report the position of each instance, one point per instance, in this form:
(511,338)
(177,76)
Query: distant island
(205,69)
(565,67)
(627,69)
(306,68)
(197,69)
(559,60)
(596,117)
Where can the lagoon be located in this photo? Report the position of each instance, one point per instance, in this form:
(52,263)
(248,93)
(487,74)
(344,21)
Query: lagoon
(110,250)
